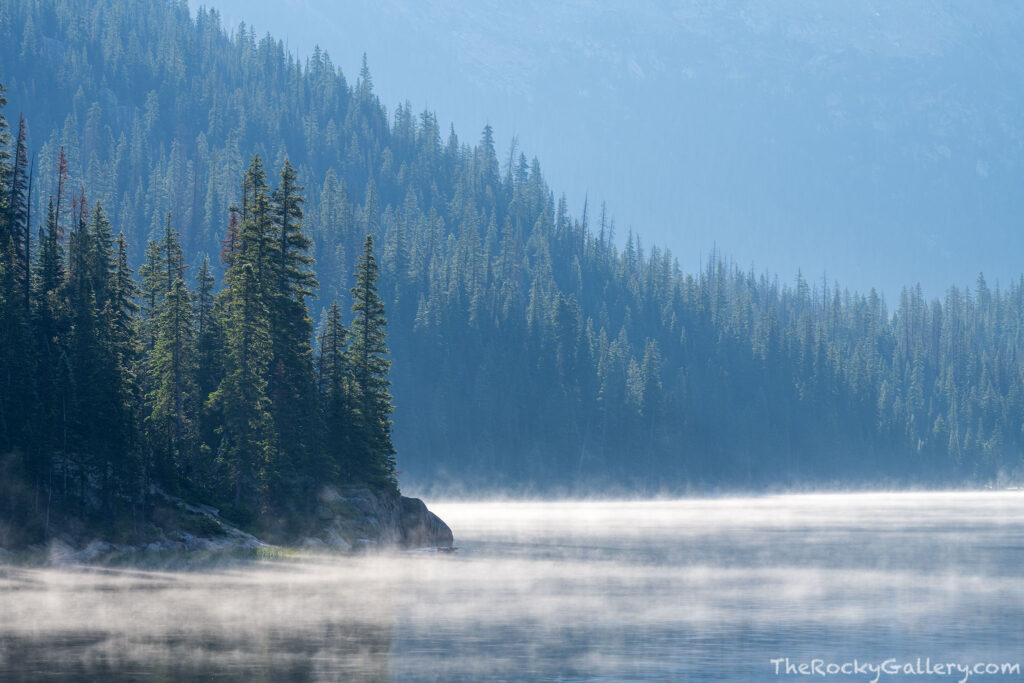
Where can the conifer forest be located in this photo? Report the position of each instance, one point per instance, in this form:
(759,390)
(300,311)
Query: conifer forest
(226,271)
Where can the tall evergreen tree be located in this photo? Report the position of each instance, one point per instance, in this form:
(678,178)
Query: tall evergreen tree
(17,390)
(168,379)
(335,379)
(368,358)
(84,356)
(258,240)
(246,431)
(121,466)
(152,290)
(292,384)
(18,224)
(50,316)
(171,418)
(209,339)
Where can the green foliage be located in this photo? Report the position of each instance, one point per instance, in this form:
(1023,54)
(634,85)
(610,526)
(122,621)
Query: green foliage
(338,416)
(153,385)
(292,384)
(246,428)
(368,360)
(530,346)
(171,401)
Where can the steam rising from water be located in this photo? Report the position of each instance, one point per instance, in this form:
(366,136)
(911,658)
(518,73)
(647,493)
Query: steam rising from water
(698,589)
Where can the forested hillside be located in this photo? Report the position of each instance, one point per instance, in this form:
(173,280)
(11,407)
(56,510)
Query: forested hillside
(117,393)
(533,347)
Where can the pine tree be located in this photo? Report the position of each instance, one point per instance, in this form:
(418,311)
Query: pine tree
(102,296)
(208,333)
(295,277)
(171,399)
(168,377)
(121,463)
(209,368)
(151,293)
(6,170)
(50,316)
(172,257)
(335,379)
(17,390)
(18,217)
(292,384)
(84,356)
(258,242)
(246,431)
(368,358)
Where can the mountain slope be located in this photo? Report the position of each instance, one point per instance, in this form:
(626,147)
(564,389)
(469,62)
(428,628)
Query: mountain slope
(878,142)
(529,350)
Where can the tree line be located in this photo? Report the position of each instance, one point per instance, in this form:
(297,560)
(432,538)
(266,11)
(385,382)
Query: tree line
(534,347)
(116,387)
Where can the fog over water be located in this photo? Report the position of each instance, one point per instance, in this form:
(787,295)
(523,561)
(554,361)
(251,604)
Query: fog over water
(700,589)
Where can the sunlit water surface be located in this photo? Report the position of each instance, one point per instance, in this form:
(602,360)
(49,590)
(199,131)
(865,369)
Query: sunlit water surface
(657,590)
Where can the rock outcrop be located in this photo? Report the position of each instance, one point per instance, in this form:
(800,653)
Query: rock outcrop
(343,520)
(421,528)
(361,518)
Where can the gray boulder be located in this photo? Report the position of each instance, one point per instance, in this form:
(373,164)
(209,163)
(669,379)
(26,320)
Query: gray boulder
(421,528)
(361,518)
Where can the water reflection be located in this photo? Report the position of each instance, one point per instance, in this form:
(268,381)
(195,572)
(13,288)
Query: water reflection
(695,589)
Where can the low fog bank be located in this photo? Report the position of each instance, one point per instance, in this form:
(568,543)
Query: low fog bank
(626,589)
(452,490)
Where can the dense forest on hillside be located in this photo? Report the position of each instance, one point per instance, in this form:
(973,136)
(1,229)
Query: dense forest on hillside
(532,347)
(116,391)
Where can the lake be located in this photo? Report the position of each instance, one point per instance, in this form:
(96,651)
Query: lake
(722,589)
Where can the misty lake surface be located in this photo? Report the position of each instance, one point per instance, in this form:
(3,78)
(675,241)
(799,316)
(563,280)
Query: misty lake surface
(700,589)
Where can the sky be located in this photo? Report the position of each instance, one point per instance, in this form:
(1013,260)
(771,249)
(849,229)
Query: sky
(877,144)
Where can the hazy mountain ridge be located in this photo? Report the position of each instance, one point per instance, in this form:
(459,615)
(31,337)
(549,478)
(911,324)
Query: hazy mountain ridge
(880,143)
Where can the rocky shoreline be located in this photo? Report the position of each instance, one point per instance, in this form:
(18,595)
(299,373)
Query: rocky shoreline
(356,518)
(345,520)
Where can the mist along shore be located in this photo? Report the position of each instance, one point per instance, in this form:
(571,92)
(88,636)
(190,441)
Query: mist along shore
(344,520)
